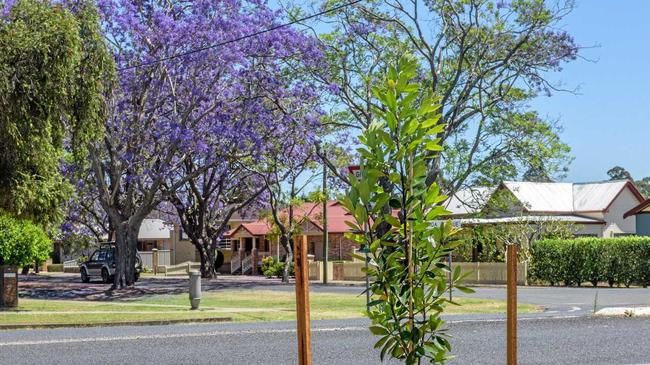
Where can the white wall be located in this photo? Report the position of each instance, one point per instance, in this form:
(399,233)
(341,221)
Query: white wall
(590,229)
(615,223)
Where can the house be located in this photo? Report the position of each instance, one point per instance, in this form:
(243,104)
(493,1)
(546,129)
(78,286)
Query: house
(251,241)
(641,213)
(597,208)
(172,244)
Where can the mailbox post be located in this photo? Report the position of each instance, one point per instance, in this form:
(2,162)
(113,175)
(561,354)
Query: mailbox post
(8,286)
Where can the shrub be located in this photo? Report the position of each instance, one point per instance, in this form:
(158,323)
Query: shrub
(22,242)
(617,261)
(55,268)
(274,268)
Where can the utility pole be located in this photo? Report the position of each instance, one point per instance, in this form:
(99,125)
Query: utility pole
(326,240)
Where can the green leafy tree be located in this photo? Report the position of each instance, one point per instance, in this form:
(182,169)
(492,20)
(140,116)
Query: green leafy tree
(53,64)
(620,173)
(395,213)
(22,242)
(486,59)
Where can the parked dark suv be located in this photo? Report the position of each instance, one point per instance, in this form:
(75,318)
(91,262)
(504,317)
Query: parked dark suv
(102,264)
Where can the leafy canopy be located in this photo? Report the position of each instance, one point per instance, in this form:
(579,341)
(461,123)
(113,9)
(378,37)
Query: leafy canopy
(52,65)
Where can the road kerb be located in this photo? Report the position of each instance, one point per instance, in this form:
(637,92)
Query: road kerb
(624,312)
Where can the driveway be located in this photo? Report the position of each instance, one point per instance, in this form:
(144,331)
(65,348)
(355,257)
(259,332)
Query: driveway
(69,286)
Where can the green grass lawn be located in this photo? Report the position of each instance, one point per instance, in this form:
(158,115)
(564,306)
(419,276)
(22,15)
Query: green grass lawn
(239,305)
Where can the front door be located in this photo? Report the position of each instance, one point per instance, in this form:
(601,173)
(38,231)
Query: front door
(248,242)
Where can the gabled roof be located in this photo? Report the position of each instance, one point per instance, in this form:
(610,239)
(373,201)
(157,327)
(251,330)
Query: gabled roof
(641,208)
(556,198)
(336,217)
(256,228)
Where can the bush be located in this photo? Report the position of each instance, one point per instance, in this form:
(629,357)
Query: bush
(274,268)
(55,268)
(617,261)
(22,242)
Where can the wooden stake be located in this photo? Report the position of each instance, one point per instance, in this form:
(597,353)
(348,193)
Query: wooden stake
(302,301)
(511,333)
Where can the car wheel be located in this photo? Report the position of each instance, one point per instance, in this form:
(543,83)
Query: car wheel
(106,278)
(84,276)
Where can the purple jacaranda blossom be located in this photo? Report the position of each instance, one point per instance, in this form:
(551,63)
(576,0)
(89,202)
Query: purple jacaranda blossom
(199,114)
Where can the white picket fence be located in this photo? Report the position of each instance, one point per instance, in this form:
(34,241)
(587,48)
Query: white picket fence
(70,264)
(164,258)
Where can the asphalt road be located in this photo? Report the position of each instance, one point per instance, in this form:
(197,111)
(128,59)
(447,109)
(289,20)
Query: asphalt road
(555,300)
(578,340)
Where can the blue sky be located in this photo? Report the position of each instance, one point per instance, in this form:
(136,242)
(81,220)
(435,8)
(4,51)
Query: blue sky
(608,123)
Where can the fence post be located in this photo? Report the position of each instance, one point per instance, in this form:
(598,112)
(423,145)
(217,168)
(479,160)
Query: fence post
(302,301)
(154,260)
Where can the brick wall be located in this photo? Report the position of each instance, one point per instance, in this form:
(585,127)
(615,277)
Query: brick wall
(340,248)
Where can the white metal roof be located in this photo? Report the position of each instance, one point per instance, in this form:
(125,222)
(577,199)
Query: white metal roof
(559,198)
(543,197)
(154,229)
(596,196)
(527,219)
(469,200)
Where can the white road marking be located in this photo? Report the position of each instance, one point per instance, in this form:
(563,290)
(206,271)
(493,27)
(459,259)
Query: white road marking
(167,336)
(234,333)
(574,309)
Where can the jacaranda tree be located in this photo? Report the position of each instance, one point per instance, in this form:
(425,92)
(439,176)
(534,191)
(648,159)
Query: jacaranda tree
(199,106)
(395,215)
(204,205)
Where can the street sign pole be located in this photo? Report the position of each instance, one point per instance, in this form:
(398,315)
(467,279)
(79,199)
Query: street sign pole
(511,331)
(302,302)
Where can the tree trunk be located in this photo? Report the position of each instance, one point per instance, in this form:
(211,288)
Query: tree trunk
(126,242)
(286,243)
(208,270)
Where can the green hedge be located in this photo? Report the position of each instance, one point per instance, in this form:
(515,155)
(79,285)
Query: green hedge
(55,268)
(616,261)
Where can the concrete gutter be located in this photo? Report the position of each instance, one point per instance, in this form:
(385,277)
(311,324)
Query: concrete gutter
(113,324)
(624,312)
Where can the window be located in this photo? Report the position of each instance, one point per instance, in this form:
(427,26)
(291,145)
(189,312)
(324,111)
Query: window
(312,248)
(95,256)
(101,256)
(225,243)
(586,235)
(623,234)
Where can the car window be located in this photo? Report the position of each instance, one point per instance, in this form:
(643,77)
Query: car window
(102,256)
(109,255)
(95,256)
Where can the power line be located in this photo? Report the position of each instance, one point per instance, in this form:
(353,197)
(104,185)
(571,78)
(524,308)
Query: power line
(251,35)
